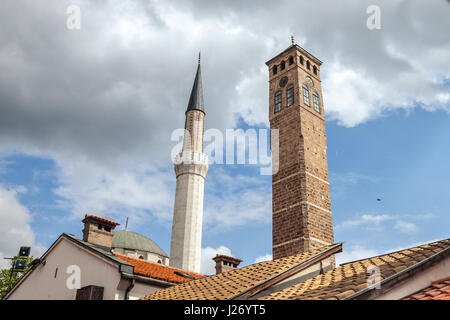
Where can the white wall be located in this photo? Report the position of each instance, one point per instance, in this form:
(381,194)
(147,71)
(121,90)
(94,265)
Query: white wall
(42,283)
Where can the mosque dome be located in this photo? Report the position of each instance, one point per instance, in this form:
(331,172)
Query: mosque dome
(124,239)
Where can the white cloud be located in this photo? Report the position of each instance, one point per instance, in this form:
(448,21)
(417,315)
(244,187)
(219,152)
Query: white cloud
(139,191)
(266,257)
(103,101)
(207,264)
(382,222)
(406,227)
(366,220)
(15,228)
(236,200)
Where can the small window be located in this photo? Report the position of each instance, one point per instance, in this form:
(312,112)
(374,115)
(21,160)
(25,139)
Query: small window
(315,70)
(277,105)
(301,59)
(291,60)
(308,65)
(290,95)
(108,229)
(99,227)
(141,257)
(275,69)
(283,65)
(305,95)
(316,102)
(159,261)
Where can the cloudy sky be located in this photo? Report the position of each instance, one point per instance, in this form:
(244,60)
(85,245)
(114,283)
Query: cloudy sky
(86,117)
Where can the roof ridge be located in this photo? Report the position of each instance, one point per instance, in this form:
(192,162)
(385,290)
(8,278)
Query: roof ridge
(393,252)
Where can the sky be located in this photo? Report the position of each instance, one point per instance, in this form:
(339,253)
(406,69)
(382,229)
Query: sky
(87,116)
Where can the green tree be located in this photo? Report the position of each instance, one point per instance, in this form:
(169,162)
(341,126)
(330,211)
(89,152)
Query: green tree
(5,276)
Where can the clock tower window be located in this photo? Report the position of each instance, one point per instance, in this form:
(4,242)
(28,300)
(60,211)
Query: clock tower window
(277,102)
(305,95)
(290,95)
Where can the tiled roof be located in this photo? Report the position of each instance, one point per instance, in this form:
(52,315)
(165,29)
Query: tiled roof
(350,278)
(90,216)
(439,290)
(158,271)
(228,284)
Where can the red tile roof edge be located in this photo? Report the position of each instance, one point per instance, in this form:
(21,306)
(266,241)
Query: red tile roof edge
(227,257)
(158,271)
(438,290)
(90,216)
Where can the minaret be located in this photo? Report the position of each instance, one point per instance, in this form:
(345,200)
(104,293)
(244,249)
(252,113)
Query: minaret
(191,166)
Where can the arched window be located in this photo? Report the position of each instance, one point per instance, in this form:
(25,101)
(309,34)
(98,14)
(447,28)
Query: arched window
(316,102)
(290,95)
(308,65)
(291,60)
(305,95)
(315,69)
(283,65)
(275,69)
(141,257)
(277,102)
(301,59)
(159,261)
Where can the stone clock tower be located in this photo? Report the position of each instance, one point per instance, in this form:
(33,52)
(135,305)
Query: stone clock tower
(191,166)
(301,209)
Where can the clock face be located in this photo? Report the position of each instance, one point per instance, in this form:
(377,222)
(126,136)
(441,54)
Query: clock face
(309,82)
(283,81)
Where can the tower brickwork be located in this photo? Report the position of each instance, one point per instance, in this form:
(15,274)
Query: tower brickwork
(301,208)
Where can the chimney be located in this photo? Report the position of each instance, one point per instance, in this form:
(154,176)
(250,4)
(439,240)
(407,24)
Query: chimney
(98,230)
(225,263)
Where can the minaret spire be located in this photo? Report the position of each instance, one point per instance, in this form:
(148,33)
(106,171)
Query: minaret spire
(196,99)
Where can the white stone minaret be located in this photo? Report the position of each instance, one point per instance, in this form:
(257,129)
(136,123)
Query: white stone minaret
(191,166)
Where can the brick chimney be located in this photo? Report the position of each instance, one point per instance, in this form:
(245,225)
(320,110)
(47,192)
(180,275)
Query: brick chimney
(225,263)
(98,230)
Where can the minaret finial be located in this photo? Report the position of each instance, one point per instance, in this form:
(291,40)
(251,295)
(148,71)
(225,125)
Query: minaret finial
(199,57)
(292,39)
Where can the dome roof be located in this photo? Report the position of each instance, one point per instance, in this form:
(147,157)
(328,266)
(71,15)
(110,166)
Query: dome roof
(130,240)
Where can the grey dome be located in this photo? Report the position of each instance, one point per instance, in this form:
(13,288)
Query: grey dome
(131,240)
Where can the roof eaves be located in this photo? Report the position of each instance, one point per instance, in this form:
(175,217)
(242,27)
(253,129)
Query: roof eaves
(397,277)
(148,280)
(252,291)
(298,47)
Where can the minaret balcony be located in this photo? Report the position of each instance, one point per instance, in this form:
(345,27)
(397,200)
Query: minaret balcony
(191,157)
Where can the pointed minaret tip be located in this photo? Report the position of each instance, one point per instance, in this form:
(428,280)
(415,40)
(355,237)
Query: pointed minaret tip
(292,39)
(196,98)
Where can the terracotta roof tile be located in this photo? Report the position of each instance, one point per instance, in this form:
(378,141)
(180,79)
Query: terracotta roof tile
(158,271)
(90,216)
(218,256)
(353,277)
(439,290)
(226,285)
